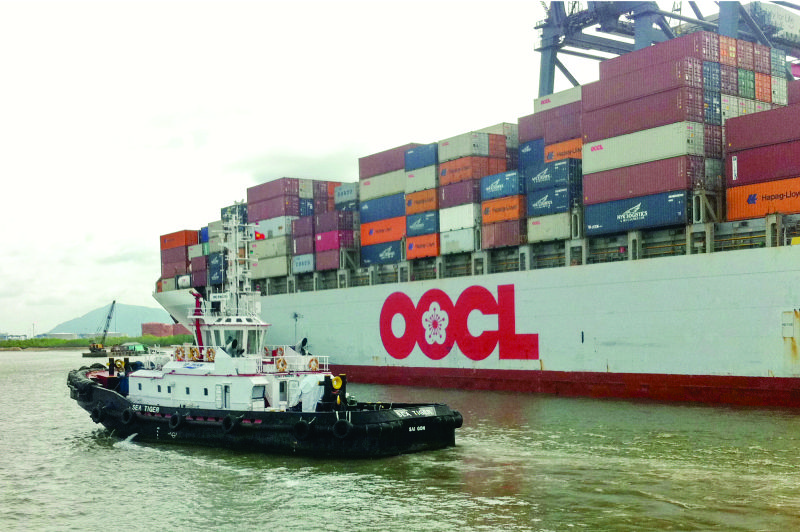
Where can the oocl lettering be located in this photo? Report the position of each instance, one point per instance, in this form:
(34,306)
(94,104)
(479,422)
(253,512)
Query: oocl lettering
(436,324)
(598,147)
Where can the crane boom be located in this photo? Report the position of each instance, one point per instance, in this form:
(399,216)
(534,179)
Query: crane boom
(108,321)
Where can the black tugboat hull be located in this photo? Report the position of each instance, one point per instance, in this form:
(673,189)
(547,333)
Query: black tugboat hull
(365,430)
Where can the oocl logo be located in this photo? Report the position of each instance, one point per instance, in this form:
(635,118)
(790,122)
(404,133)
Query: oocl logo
(436,325)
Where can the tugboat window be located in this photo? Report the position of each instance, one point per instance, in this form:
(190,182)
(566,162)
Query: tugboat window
(159,388)
(140,386)
(187,391)
(258,392)
(169,389)
(205,391)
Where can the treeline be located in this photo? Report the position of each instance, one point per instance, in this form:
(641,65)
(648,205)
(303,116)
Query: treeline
(39,343)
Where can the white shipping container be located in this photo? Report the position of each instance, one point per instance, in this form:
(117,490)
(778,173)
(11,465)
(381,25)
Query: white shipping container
(273,227)
(424,178)
(382,185)
(215,244)
(551,227)
(195,251)
(473,144)
(460,217)
(167,285)
(557,99)
(730,107)
(459,241)
(271,267)
(303,263)
(215,228)
(762,106)
(672,140)
(746,106)
(345,193)
(779,94)
(511,132)
(306,188)
(272,247)
(183,281)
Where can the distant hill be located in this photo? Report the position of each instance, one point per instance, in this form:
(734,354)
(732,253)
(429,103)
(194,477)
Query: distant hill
(127,319)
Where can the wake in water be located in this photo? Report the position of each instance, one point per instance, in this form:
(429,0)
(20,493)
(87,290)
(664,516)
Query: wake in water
(128,443)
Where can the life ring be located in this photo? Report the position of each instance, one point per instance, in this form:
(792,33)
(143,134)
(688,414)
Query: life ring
(279,352)
(210,354)
(281,365)
(313,364)
(194,354)
(179,354)
(119,364)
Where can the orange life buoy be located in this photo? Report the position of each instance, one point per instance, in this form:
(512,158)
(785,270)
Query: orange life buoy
(279,352)
(210,354)
(194,354)
(281,365)
(179,353)
(313,364)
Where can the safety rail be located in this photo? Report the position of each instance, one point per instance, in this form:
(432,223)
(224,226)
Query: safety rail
(294,363)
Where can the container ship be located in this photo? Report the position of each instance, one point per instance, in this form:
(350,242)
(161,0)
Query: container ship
(630,238)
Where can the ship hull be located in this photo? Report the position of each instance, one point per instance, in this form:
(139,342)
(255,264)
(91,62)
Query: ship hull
(720,327)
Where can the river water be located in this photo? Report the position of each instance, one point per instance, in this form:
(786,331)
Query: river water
(522,462)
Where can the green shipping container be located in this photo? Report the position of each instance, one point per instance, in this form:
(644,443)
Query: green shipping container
(747,84)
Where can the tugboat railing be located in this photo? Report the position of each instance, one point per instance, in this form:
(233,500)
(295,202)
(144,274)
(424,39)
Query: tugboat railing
(295,363)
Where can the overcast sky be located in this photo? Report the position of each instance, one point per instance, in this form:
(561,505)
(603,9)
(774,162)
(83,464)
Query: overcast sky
(122,121)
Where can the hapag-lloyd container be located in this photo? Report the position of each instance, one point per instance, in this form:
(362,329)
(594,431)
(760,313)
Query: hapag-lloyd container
(334,221)
(303,263)
(382,185)
(557,99)
(504,234)
(655,177)
(384,253)
(778,125)
(551,227)
(459,241)
(500,185)
(334,240)
(469,168)
(502,209)
(685,72)
(760,199)
(302,245)
(421,156)
(423,178)
(701,45)
(177,239)
(303,226)
(644,212)
(273,247)
(273,208)
(285,186)
(423,223)
(270,267)
(764,163)
(273,227)
(384,162)
(418,247)
(424,200)
(683,104)
(673,140)
(383,231)
(382,208)
(460,217)
(459,193)
(569,149)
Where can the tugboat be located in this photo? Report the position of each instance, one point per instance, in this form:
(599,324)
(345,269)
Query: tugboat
(231,389)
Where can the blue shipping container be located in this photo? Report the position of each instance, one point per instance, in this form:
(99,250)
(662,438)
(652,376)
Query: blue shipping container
(658,210)
(531,157)
(204,234)
(350,206)
(711,76)
(557,173)
(502,185)
(216,268)
(712,102)
(383,208)
(422,156)
(551,200)
(306,207)
(303,263)
(423,223)
(386,253)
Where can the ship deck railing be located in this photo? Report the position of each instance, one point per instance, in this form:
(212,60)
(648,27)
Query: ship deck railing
(280,362)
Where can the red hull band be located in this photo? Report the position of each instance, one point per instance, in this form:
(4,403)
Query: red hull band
(718,389)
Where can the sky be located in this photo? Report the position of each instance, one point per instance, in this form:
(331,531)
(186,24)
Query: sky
(121,121)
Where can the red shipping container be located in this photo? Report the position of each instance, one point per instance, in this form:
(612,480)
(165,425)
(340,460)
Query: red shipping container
(504,234)
(665,175)
(497,145)
(460,193)
(326,260)
(553,127)
(765,163)
(702,45)
(178,254)
(729,80)
(777,125)
(332,188)
(333,221)
(303,226)
(334,240)
(763,87)
(422,201)
(199,278)
(273,207)
(171,269)
(676,105)
(727,51)
(285,186)
(389,230)
(712,141)
(319,189)
(793,92)
(418,247)
(384,162)
(744,54)
(502,209)
(762,60)
(199,264)
(469,168)
(686,72)
(302,245)
(180,239)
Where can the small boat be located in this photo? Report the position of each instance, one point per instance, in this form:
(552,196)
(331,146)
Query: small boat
(231,389)
(129,349)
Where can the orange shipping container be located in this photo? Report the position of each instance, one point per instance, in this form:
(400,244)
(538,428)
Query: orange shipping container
(178,239)
(469,168)
(760,199)
(389,230)
(763,87)
(422,201)
(332,188)
(503,209)
(569,149)
(422,246)
(727,50)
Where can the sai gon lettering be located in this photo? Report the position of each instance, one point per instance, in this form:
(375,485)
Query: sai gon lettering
(436,324)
